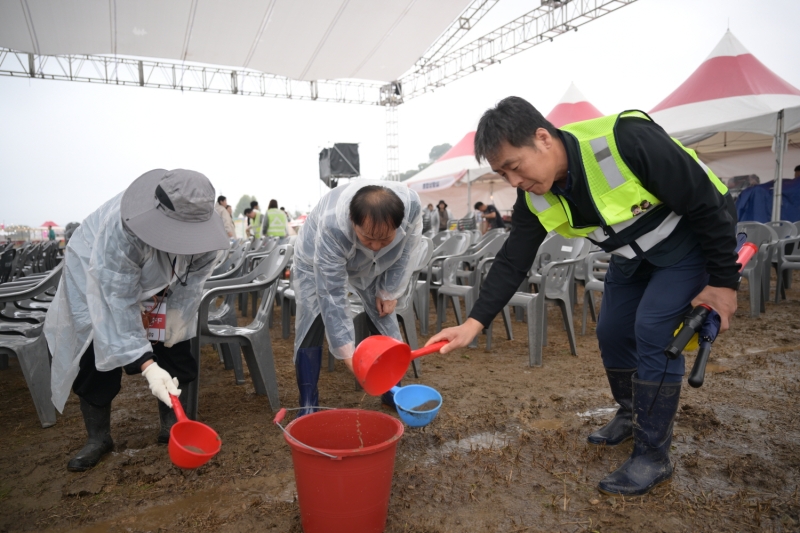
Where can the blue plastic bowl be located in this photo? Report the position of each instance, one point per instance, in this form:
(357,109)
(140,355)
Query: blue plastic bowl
(411,396)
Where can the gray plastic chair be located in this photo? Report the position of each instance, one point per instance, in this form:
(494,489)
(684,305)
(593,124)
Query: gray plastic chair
(407,318)
(757,271)
(456,244)
(786,247)
(595,266)
(787,259)
(32,352)
(470,286)
(555,284)
(255,337)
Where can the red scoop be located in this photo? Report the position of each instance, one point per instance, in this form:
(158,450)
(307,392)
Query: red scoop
(191,444)
(380,362)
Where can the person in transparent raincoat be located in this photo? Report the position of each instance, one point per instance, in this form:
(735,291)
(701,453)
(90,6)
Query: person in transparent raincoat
(155,243)
(361,238)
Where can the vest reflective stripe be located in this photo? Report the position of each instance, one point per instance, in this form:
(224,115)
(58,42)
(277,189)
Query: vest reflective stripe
(539,202)
(602,153)
(646,241)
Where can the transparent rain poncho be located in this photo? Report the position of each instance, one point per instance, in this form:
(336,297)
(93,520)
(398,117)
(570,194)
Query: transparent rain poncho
(108,274)
(330,261)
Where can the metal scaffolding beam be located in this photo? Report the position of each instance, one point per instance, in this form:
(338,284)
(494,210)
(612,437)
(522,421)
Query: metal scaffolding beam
(460,27)
(551,19)
(182,76)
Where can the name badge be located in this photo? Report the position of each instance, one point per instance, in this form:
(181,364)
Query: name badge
(154,319)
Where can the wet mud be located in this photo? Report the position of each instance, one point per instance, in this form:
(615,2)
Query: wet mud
(507,451)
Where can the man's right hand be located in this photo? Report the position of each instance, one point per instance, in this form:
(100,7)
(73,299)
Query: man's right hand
(458,336)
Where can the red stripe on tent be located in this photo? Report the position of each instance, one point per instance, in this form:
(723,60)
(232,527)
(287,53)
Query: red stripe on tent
(564,114)
(724,77)
(465,146)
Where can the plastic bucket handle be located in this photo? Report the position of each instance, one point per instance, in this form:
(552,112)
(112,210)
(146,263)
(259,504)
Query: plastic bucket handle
(277,421)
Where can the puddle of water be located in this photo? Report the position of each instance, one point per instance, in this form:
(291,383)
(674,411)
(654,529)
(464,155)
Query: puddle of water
(477,442)
(130,452)
(553,423)
(601,412)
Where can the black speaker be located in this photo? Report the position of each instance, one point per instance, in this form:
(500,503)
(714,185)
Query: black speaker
(340,161)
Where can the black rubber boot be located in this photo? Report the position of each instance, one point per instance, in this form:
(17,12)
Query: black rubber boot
(649,463)
(99,443)
(387,398)
(167,418)
(307,366)
(620,428)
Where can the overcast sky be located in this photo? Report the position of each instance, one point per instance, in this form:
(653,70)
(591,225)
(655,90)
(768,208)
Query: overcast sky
(67,147)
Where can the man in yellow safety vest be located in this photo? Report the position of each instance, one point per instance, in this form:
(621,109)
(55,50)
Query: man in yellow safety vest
(624,184)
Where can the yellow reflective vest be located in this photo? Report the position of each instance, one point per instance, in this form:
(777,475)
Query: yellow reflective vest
(616,191)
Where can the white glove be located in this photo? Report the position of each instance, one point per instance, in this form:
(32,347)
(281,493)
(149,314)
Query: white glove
(161,383)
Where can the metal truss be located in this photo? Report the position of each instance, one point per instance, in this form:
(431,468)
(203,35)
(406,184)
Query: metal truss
(460,27)
(183,76)
(392,144)
(551,19)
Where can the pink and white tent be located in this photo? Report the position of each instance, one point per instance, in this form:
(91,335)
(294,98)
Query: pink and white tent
(458,179)
(733,110)
(573,107)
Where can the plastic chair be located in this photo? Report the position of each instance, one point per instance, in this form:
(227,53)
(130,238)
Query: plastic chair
(757,271)
(595,265)
(483,269)
(255,337)
(555,283)
(7,264)
(32,352)
(471,282)
(786,246)
(457,244)
(34,360)
(787,259)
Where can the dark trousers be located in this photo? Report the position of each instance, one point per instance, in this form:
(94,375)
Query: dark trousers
(316,333)
(100,388)
(639,315)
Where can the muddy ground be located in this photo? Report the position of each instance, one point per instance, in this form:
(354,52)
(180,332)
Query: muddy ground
(506,453)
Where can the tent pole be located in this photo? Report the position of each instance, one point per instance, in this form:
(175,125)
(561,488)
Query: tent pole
(778,186)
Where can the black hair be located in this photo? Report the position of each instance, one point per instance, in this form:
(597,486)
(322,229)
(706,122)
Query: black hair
(273,204)
(797,168)
(247,211)
(378,205)
(221,199)
(253,204)
(512,120)
(478,205)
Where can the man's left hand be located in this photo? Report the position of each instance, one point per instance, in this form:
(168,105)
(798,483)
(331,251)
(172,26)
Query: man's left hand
(720,299)
(385,307)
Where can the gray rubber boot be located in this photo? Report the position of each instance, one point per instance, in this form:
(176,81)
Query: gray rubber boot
(620,428)
(99,443)
(654,408)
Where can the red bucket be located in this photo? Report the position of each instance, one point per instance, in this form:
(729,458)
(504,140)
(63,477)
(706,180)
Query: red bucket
(348,489)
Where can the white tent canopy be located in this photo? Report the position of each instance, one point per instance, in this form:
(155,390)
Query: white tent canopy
(458,179)
(738,115)
(299,39)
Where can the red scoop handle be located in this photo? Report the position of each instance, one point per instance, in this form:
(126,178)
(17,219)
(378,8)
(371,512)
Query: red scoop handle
(433,348)
(279,417)
(178,408)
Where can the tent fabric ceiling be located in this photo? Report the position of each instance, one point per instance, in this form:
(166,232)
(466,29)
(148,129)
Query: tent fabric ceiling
(299,39)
